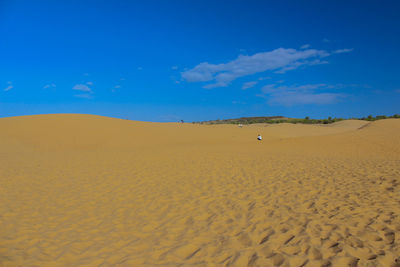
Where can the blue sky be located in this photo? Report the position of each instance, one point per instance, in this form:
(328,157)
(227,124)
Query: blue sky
(200,60)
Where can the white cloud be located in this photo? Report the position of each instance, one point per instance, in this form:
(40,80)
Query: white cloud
(298,64)
(88,96)
(238,102)
(301,98)
(115,88)
(174,67)
(49,85)
(279,60)
(9,86)
(82,87)
(345,50)
(305,46)
(249,85)
(89,83)
(301,94)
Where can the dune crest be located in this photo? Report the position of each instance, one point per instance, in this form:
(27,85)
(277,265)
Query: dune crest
(97,191)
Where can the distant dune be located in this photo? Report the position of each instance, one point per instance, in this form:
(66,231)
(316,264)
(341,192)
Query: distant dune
(83,190)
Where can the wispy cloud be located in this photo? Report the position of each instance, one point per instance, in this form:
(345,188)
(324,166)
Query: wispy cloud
(140,68)
(248,85)
(326,40)
(298,64)
(115,88)
(302,94)
(88,93)
(49,85)
(87,96)
(9,86)
(82,87)
(301,98)
(345,50)
(238,102)
(279,60)
(174,67)
(89,83)
(305,46)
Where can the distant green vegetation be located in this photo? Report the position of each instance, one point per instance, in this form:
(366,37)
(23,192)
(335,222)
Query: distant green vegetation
(280,119)
(381,117)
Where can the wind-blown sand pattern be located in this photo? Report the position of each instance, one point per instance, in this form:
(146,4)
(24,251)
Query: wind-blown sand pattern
(81,190)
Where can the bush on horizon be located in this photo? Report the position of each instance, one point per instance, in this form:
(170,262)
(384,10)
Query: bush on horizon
(306,120)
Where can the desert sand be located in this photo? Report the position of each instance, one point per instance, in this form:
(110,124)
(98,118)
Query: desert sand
(84,190)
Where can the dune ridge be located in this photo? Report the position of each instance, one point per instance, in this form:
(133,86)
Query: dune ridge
(83,190)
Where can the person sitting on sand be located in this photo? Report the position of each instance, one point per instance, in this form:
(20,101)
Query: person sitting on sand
(259,137)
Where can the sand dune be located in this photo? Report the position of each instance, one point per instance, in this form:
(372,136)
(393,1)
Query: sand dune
(81,190)
(297,130)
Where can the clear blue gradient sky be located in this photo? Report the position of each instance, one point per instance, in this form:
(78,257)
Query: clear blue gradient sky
(200,60)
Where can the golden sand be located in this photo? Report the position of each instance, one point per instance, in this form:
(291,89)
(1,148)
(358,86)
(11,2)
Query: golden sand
(82,190)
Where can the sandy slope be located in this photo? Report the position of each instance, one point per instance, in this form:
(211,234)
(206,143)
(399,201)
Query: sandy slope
(80,190)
